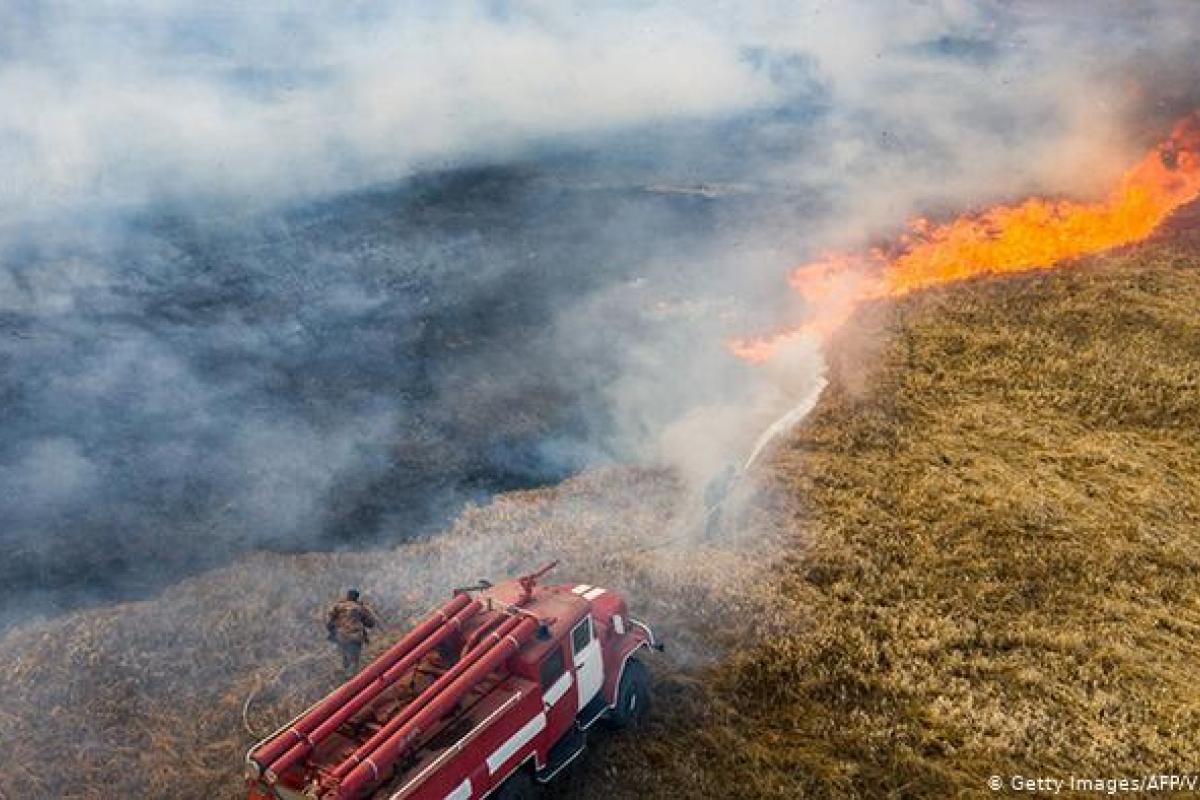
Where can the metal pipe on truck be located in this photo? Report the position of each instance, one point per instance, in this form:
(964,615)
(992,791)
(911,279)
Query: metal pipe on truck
(420,701)
(443,695)
(406,662)
(277,746)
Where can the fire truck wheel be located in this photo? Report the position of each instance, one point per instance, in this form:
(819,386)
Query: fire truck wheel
(519,786)
(633,697)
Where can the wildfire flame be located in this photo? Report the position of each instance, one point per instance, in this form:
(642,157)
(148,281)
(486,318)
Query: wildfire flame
(1032,235)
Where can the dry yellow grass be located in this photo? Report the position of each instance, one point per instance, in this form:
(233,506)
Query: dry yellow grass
(994,570)
(146,699)
(1004,489)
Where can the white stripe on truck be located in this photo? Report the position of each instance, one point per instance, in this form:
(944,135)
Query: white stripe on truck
(461,792)
(560,687)
(515,742)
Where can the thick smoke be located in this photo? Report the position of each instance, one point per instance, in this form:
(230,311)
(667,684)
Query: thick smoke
(126,102)
(291,279)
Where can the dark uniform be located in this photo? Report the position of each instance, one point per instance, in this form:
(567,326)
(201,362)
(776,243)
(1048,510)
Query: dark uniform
(348,623)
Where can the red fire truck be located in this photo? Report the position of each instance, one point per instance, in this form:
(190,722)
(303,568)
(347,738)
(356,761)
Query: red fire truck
(489,695)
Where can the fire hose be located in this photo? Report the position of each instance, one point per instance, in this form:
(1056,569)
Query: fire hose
(773,431)
(260,684)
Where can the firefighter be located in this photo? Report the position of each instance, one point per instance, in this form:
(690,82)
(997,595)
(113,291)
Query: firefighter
(714,497)
(348,624)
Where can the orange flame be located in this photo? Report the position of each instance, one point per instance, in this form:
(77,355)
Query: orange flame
(1033,235)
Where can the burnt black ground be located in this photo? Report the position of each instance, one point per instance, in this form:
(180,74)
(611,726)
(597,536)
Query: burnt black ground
(193,384)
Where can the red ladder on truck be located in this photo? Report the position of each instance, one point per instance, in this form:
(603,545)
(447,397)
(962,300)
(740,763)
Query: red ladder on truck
(491,692)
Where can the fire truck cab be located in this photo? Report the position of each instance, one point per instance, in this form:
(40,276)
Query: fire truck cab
(491,694)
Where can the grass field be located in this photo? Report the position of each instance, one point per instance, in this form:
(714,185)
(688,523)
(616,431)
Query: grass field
(979,555)
(1003,490)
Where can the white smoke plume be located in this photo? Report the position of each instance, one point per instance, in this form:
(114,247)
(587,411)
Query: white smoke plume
(296,277)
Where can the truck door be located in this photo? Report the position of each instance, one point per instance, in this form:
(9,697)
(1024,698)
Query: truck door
(589,663)
(558,699)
